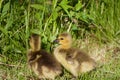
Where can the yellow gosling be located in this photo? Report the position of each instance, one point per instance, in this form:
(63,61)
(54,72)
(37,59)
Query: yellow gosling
(72,59)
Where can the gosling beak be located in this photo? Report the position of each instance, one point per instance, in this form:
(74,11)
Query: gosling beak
(56,41)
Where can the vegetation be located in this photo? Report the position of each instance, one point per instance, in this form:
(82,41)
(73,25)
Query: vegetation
(94,24)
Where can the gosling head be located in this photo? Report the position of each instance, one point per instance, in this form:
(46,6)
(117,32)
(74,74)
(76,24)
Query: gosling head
(35,42)
(64,40)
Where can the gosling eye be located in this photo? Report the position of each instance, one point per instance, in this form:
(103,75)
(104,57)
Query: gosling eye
(61,38)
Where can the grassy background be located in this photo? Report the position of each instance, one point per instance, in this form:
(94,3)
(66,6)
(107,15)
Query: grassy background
(94,25)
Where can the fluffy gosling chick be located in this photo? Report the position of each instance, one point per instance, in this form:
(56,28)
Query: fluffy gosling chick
(42,63)
(72,59)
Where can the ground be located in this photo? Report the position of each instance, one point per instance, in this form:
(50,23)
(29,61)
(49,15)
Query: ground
(107,57)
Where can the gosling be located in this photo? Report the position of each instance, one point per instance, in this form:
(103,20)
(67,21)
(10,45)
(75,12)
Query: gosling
(72,59)
(44,65)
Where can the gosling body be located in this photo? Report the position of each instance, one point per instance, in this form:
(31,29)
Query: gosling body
(44,65)
(72,59)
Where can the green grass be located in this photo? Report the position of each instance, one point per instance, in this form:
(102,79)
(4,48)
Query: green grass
(93,24)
